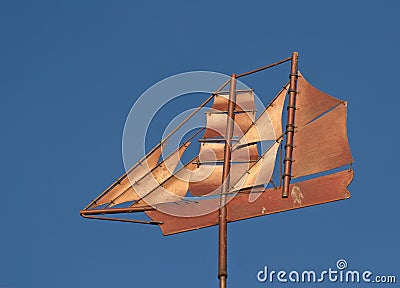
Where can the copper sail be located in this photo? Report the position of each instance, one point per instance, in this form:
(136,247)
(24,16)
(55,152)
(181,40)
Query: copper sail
(320,138)
(123,184)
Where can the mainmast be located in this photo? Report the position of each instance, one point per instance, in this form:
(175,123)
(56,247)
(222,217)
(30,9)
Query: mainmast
(222,239)
(290,126)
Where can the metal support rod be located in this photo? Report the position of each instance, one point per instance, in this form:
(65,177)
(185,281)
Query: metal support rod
(116,210)
(222,239)
(123,220)
(290,126)
(263,68)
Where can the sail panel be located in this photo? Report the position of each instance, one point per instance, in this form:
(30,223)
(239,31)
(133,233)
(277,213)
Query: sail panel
(216,124)
(244,101)
(124,184)
(214,152)
(322,144)
(311,102)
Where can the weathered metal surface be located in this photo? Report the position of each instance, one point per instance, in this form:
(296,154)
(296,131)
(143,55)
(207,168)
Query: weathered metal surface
(172,189)
(301,194)
(311,102)
(140,186)
(322,144)
(290,125)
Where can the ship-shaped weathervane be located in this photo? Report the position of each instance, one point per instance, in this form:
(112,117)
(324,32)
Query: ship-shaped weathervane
(230,180)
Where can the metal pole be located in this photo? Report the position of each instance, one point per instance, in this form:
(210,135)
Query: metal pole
(116,210)
(222,239)
(290,126)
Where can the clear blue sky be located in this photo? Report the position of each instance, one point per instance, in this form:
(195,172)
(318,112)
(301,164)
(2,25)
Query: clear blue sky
(71,70)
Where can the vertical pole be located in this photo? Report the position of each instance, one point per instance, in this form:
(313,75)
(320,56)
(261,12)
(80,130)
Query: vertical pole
(290,126)
(222,239)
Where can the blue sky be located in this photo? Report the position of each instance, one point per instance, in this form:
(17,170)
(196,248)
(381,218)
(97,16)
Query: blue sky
(69,74)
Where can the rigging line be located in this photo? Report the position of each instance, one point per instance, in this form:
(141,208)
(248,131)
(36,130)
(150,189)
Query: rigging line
(239,91)
(264,68)
(259,158)
(219,162)
(149,172)
(265,111)
(156,147)
(124,220)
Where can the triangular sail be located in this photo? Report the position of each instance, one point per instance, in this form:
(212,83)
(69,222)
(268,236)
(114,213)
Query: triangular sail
(124,183)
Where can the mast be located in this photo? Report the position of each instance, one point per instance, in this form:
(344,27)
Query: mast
(222,239)
(290,126)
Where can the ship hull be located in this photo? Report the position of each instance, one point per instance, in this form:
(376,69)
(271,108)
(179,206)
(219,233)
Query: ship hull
(302,194)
